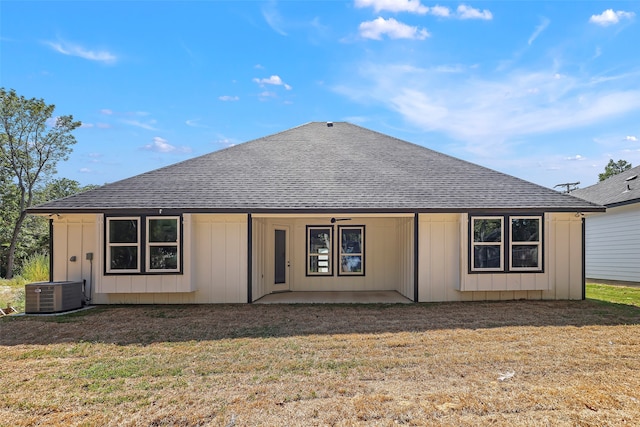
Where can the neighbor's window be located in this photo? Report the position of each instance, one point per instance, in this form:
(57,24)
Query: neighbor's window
(351,250)
(144,244)
(123,245)
(319,251)
(526,243)
(486,244)
(523,237)
(163,241)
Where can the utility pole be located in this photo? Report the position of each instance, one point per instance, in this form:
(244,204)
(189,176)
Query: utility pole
(570,186)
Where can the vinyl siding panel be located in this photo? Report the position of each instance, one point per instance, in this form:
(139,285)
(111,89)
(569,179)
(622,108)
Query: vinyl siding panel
(613,244)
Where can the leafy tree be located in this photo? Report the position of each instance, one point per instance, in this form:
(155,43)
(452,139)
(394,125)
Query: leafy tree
(34,237)
(614,168)
(29,151)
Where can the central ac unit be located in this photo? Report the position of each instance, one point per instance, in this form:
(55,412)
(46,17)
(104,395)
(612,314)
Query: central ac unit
(53,297)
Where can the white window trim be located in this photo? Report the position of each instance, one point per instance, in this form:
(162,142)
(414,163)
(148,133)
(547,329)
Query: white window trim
(149,245)
(310,254)
(109,245)
(342,254)
(474,244)
(538,244)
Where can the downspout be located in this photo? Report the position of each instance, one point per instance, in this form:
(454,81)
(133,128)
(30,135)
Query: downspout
(249,258)
(584,258)
(415,257)
(50,249)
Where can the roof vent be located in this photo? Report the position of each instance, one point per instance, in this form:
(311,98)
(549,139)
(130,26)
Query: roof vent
(329,124)
(631,178)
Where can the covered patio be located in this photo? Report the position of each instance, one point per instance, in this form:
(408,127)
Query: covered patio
(336,297)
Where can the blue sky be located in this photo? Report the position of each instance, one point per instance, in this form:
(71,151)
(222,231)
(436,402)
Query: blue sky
(545,91)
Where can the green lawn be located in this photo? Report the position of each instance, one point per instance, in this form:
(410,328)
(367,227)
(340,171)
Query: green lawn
(614,294)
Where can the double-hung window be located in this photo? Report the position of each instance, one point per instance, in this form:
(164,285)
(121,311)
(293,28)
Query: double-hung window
(525,243)
(142,244)
(319,251)
(163,243)
(487,238)
(123,245)
(506,243)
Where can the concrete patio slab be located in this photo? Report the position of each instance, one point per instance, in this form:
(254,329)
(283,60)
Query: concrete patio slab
(360,297)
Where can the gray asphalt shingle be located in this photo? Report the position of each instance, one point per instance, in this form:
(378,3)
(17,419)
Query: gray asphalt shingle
(616,190)
(314,168)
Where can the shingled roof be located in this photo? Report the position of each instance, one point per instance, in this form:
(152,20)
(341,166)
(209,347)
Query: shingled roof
(620,189)
(321,167)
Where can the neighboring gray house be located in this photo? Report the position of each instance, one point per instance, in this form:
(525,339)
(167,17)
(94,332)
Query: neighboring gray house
(613,238)
(320,207)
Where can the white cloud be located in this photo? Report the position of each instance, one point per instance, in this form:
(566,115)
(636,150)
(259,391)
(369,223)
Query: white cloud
(273,18)
(441,11)
(161,145)
(576,157)
(487,111)
(224,141)
(631,138)
(273,80)
(85,170)
(71,49)
(539,29)
(228,98)
(106,112)
(609,17)
(195,123)
(468,12)
(413,6)
(264,95)
(393,29)
(85,125)
(103,125)
(52,121)
(137,123)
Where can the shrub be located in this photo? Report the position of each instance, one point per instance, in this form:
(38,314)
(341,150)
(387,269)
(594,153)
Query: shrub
(36,268)
(12,293)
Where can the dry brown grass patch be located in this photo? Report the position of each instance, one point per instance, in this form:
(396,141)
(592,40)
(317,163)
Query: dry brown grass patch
(573,363)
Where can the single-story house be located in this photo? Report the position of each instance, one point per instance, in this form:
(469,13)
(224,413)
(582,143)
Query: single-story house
(613,238)
(320,207)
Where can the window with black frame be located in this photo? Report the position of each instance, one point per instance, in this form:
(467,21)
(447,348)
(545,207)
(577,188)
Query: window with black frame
(522,236)
(123,245)
(319,251)
(487,244)
(351,250)
(154,247)
(526,243)
(163,241)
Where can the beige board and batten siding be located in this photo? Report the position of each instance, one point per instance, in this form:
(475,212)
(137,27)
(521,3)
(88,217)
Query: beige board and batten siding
(74,237)
(214,269)
(613,244)
(443,263)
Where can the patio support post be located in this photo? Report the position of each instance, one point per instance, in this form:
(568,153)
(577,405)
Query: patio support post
(249,258)
(584,258)
(415,257)
(50,249)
